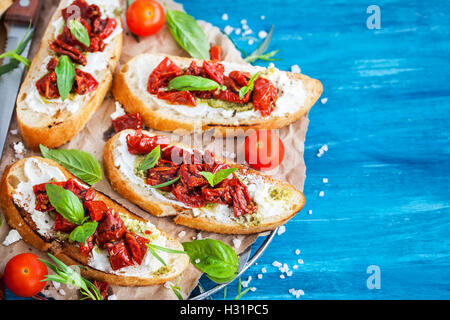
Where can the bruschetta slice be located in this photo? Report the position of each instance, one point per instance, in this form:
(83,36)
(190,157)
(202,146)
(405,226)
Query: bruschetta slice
(43,116)
(116,253)
(275,100)
(242,200)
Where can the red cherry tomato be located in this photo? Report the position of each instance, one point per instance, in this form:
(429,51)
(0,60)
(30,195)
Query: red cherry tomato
(145,17)
(23,275)
(263,150)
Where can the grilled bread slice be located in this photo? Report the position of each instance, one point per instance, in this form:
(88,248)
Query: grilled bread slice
(54,122)
(18,204)
(297,93)
(4,5)
(277,201)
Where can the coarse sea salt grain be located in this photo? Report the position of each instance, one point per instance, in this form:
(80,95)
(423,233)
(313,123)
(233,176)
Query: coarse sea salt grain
(237,243)
(12,237)
(238,31)
(297,252)
(295,68)
(262,34)
(300,261)
(112,297)
(295,267)
(260,276)
(228,30)
(247,282)
(253,289)
(224,17)
(181,234)
(282,276)
(281,230)
(263,17)
(310,212)
(264,270)
(321,193)
(251,42)
(325,180)
(324,100)
(276,264)
(197,261)
(243,21)
(19,149)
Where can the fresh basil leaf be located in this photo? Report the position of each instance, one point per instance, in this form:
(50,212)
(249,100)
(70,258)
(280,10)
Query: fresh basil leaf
(216,259)
(188,34)
(249,87)
(215,179)
(84,231)
(66,203)
(165,184)
(81,164)
(151,159)
(80,32)
(65,76)
(209,176)
(191,83)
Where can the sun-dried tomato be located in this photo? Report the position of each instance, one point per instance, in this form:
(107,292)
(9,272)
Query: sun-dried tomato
(163,172)
(178,97)
(103,28)
(72,52)
(119,257)
(230,96)
(139,143)
(137,246)
(95,209)
(241,78)
(47,86)
(190,176)
(52,64)
(83,10)
(242,202)
(62,224)
(89,195)
(162,74)
(214,70)
(127,121)
(264,96)
(110,228)
(102,288)
(218,195)
(192,198)
(215,53)
(175,154)
(86,248)
(193,70)
(84,82)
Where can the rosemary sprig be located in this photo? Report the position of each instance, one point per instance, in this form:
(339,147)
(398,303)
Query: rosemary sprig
(260,52)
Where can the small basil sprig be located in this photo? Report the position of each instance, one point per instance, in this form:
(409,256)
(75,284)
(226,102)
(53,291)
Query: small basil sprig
(216,259)
(249,87)
(260,52)
(65,76)
(70,207)
(240,292)
(80,32)
(188,34)
(218,177)
(66,203)
(81,164)
(68,276)
(84,231)
(193,83)
(151,159)
(165,184)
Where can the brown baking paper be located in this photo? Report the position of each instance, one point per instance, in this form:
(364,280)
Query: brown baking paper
(94,136)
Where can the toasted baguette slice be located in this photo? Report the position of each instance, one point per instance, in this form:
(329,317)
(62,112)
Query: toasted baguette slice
(4,5)
(54,122)
(297,94)
(36,228)
(277,201)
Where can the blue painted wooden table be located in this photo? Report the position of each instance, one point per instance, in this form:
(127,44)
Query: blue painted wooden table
(387,128)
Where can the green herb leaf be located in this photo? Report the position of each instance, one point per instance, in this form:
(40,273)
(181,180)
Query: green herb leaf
(68,276)
(65,76)
(66,203)
(81,164)
(249,87)
(80,32)
(240,292)
(163,249)
(84,231)
(259,53)
(190,83)
(15,55)
(188,34)
(215,179)
(155,254)
(165,184)
(218,260)
(151,159)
